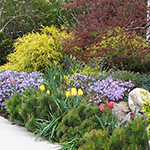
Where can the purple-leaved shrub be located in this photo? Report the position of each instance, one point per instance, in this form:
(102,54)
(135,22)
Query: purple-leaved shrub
(101,86)
(23,80)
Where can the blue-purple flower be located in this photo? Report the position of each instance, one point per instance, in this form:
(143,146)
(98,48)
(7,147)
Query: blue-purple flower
(101,86)
(13,81)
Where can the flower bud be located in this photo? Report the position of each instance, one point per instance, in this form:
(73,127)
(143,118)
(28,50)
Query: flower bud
(102,107)
(42,87)
(80,92)
(48,92)
(12,81)
(73,91)
(68,94)
(110,105)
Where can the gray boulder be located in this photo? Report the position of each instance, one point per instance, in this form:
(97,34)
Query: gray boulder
(135,99)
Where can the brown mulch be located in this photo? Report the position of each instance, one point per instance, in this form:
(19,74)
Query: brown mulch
(5,115)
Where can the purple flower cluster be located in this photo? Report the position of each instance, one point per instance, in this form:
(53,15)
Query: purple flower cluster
(23,80)
(102,87)
(83,80)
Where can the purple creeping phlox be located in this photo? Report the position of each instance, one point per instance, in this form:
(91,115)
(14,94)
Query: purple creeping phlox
(113,90)
(13,81)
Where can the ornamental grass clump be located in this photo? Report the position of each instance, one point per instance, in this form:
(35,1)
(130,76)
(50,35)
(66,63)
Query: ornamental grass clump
(13,81)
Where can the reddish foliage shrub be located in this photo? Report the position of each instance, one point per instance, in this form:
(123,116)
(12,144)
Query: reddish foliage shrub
(95,20)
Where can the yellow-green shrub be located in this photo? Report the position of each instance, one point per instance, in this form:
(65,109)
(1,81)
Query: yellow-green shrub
(122,40)
(33,51)
(126,48)
(146,108)
(121,48)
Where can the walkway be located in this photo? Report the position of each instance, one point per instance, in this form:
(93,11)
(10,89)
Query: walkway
(13,137)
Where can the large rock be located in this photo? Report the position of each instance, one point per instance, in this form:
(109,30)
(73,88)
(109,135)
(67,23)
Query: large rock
(135,99)
(121,109)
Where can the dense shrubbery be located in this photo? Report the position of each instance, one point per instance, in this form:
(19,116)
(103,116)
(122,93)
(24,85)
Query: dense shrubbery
(78,121)
(66,119)
(6,43)
(38,101)
(124,50)
(34,104)
(35,50)
(113,36)
(127,137)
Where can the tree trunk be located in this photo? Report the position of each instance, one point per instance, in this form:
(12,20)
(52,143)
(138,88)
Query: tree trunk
(148,21)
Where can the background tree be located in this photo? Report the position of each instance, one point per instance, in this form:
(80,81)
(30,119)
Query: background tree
(24,15)
(148,20)
(110,29)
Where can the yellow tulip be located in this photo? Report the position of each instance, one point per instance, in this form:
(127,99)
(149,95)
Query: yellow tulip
(73,91)
(80,92)
(68,94)
(48,92)
(42,87)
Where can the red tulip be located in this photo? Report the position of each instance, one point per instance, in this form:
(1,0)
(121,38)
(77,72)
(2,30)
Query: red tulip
(110,105)
(102,107)
(12,81)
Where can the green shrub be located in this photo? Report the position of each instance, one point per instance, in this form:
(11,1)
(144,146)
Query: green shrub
(95,140)
(123,50)
(34,104)
(34,51)
(140,80)
(143,81)
(12,106)
(6,47)
(146,109)
(130,137)
(78,121)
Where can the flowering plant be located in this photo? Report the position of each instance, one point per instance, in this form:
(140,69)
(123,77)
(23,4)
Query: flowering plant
(73,98)
(13,81)
(101,86)
(103,122)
